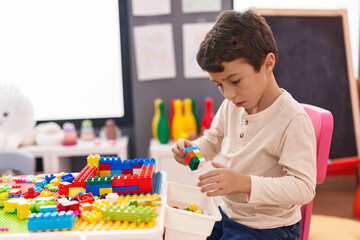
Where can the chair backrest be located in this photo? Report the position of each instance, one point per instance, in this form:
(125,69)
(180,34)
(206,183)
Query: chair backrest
(323,123)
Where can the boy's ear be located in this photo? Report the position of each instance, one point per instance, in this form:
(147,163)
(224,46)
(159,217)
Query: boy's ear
(269,62)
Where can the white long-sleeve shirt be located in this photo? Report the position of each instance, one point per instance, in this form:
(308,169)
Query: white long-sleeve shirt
(277,148)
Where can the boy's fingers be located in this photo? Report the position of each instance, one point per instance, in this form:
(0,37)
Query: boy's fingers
(217,165)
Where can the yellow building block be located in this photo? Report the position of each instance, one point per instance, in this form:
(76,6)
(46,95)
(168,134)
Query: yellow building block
(99,204)
(93,159)
(4,195)
(23,209)
(103,191)
(54,182)
(76,190)
(105,173)
(91,216)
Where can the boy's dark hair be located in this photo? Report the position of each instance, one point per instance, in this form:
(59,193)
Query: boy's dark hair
(236,35)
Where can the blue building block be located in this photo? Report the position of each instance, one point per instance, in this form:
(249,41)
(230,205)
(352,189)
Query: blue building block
(50,177)
(51,221)
(49,208)
(138,161)
(67,178)
(40,183)
(127,165)
(125,188)
(115,172)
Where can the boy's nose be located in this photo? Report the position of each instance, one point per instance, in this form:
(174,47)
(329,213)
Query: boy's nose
(229,94)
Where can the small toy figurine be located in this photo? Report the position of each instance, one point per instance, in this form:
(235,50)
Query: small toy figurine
(110,129)
(193,157)
(87,130)
(70,134)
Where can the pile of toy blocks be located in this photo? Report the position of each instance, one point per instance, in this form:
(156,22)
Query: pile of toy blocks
(52,202)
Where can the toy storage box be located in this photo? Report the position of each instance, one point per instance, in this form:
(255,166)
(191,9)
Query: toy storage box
(181,224)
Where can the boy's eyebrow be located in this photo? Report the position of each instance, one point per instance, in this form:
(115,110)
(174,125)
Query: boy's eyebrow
(230,76)
(224,78)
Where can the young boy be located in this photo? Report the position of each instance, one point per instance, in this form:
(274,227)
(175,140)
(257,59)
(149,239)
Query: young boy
(265,138)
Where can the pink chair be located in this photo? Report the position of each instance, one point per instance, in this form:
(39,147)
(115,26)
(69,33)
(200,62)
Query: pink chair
(323,123)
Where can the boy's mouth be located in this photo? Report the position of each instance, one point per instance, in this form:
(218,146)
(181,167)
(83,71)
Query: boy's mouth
(239,104)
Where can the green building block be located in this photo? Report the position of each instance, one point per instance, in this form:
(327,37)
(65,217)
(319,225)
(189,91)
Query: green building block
(98,180)
(131,213)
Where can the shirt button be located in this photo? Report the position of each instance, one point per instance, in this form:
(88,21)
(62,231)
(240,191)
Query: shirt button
(241,135)
(246,122)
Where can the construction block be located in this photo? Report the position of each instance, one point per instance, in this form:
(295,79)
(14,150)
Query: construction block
(51,221)
(75,190)
(125,180)
(132,213)
(100,204)
(12,204)
(91,216)
(50,208)
(112,197)
(93,159)
(127,165)
(103,191)
(69,206)
(88,197)
(85,206)
(193,157)
(15,191)
(50,177)
(54,182)
(67,178)
(64,188)
(105,173)
(23,209)
(137,163)
(99,180)
(127,171)
(116,172)
(125,188)
(104,166)
(40,183)
(88,171)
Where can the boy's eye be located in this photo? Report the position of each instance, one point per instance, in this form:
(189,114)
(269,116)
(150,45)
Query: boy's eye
(219,85)
(235,82)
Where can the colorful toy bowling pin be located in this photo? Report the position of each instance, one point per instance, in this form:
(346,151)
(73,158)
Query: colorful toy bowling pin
(177,129)
(171,115)
(195,115)
(163,125)
(189,120)
(156,117)
(208,114)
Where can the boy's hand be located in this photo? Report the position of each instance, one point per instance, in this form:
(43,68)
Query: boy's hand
(178,150)
(224,181)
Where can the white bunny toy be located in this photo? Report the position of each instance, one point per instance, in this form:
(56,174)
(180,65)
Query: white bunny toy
(16,119)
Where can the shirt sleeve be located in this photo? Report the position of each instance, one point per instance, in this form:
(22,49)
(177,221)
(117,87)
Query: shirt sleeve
(210,143)
(297,157)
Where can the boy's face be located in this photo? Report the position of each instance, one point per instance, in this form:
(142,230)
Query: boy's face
(241,85)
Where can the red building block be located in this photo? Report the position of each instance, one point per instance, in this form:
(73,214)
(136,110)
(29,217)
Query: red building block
(88,197)
(64,188)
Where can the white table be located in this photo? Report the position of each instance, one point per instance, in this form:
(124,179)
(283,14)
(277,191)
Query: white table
(176,172)
(56,158)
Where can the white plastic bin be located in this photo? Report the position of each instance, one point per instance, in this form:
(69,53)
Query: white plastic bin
(181,224)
